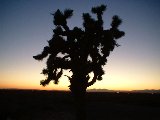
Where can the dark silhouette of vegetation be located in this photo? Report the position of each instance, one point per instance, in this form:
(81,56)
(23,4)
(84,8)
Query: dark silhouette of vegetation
(80,50)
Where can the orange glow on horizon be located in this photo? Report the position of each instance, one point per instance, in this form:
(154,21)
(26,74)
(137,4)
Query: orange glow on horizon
(115,78)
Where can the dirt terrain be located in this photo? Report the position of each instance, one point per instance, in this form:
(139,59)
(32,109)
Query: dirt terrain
(56,105)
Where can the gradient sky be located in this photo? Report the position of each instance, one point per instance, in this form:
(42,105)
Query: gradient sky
(26,25)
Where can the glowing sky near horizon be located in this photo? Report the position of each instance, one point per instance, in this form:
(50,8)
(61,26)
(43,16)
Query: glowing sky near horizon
(26,25)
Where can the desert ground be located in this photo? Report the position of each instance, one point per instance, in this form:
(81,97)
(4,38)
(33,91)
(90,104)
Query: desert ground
(59,105)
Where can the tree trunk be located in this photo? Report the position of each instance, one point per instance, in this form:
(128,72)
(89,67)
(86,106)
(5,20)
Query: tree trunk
(78,88)
(80,105)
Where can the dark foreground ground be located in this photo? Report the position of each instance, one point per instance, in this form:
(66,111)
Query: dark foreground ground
(52,105)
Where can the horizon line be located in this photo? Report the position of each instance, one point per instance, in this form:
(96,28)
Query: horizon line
(94,89)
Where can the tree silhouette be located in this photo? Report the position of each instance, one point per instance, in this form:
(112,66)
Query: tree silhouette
(80,50)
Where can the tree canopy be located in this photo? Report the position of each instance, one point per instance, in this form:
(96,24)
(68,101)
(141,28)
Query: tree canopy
(80,50)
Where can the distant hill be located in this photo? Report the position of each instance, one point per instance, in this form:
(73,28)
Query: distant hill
(132,91)
(147,91)
(100,90)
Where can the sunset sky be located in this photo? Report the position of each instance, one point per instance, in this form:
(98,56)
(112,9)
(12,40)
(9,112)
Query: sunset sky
(26,25)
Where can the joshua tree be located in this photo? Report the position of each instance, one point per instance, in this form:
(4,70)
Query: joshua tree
(80,50)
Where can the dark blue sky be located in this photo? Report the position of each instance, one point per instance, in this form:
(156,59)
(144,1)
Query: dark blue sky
(26,25)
